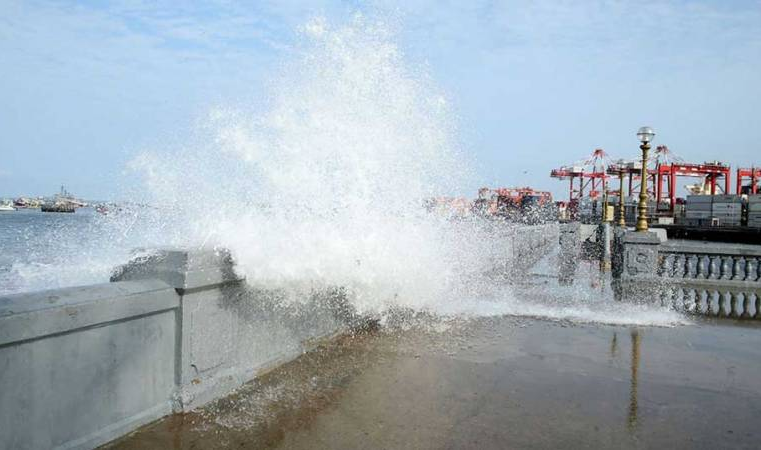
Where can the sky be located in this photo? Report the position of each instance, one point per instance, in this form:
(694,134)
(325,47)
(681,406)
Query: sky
(535,84)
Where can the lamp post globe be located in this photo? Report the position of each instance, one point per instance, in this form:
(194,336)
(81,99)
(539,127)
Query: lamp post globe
(645,134)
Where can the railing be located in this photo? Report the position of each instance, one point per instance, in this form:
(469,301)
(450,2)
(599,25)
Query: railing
(714,301)
(713,279)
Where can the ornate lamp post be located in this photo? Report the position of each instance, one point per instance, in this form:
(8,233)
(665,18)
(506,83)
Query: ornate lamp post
(645,135)
(605,205)
(619,169)
(621,207)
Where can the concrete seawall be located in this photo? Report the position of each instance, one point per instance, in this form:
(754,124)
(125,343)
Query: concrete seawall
(174,330)
(82,366)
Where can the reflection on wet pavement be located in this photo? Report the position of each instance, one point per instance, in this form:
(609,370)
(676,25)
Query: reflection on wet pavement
(494,383)
(633,380)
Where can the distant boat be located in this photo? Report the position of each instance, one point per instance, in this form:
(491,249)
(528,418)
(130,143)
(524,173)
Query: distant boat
(22,203)
(63,202)
(60,207)
(6,207)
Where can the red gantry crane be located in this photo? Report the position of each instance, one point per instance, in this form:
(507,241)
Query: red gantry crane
(590,173)
(668,167)
(754,174)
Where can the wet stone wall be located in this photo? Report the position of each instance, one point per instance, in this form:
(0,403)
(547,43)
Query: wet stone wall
(171,332)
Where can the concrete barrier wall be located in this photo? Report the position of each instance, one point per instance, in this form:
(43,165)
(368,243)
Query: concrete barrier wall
(174,330)
(79,366)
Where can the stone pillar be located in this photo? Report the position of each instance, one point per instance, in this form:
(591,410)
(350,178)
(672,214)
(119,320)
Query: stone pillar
(570,249)
(640,264)
(230,331)
(204,278)
(617,252)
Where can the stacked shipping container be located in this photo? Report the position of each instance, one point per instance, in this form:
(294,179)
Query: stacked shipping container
(727,210)
(698,210)
(754,211)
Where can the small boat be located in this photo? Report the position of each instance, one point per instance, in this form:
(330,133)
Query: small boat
(59,207)
(6,207)
(63,202)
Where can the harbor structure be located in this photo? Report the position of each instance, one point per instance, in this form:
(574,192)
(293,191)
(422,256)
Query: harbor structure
(712,203)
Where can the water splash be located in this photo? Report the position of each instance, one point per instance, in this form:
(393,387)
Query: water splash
(323,184)
(327,182)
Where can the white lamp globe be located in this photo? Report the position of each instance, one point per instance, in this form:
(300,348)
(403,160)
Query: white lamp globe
(645,134)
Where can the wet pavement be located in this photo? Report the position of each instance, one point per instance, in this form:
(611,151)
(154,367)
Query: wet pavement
(495,383)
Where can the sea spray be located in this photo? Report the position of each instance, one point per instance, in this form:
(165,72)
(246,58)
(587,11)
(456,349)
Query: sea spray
(323,185)
(327,183)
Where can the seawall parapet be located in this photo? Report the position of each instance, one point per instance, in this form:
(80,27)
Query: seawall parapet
(173,330)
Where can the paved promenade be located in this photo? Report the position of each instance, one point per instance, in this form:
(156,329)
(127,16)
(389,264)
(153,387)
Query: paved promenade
(496,383)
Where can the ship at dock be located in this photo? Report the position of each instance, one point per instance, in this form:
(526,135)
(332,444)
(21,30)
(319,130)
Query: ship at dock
(63,202)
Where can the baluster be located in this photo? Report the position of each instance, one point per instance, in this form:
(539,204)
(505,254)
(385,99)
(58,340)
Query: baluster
(688,260)
(686,300)
(679,294)
(733,305)
(737,274)
(723,304)
(668,262)
(746,306)
(662,263)
(669,298)
(699,270)
(660,295)
(757,314)
(724,269)
(750,269)
(758,269)
(698,300)
(710,267)
(709,303)
(676,269)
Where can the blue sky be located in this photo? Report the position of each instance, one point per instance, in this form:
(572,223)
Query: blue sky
(535,84)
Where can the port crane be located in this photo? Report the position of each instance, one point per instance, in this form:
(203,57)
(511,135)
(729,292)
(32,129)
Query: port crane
(754,174)
(590,173)
(663,177)
(668,167)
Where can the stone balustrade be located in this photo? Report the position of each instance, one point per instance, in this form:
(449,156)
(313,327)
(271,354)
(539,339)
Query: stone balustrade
(709,261)
(716,300)
(712,279)
(707,278)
